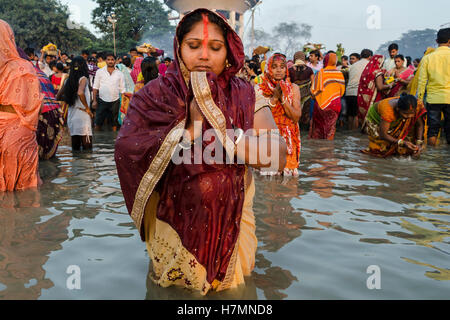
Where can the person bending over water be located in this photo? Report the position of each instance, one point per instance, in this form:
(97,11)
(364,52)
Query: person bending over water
(395,127)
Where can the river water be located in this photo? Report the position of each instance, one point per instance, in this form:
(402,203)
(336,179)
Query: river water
(349,223)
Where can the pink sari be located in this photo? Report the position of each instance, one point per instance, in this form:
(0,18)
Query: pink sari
(20,103)
(407,74)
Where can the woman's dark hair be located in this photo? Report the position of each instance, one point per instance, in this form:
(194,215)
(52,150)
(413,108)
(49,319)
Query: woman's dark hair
(78,69)
(191,20)
(126,61)
(400,56)
(60,66)
(408,61)
(406,101)
(149,69)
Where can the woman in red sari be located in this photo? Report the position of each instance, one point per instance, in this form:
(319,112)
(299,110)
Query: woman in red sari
(371,87)
(283,97)
(328,87)
(196,219)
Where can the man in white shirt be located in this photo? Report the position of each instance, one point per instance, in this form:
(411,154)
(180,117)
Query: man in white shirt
(389,63)
(351,93)
(109,84)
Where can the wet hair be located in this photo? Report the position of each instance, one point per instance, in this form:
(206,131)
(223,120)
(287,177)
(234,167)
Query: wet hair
(393,46)
(78,69)
(443,35)
(126,61)
(356,55)
(366,53)
(406,102)
(191,20)
(149,69)
(400,56)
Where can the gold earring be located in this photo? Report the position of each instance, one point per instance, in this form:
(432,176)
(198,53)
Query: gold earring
(227,64)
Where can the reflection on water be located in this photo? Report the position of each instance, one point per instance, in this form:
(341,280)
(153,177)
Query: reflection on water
(317,233)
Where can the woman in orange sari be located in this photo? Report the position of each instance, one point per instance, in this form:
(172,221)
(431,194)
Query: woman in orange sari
(20,103)
(283,97)
(395,127)
(328,87)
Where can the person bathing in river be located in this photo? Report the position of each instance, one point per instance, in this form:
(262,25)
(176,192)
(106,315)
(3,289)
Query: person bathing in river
(197,219)
(395,127)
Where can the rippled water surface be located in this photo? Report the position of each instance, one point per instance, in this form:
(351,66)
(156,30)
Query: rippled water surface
(317,234)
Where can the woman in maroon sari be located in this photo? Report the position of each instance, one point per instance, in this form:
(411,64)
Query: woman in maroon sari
(196,219)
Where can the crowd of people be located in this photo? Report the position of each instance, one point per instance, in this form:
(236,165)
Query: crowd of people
(197,220)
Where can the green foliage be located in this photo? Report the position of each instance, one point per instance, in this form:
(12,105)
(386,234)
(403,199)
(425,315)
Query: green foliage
(135,18)
(36,23)
(412,43)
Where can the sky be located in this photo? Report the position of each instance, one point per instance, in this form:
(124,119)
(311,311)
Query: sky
(356,24)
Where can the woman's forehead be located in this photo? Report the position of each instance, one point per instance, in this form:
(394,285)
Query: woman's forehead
(197,31)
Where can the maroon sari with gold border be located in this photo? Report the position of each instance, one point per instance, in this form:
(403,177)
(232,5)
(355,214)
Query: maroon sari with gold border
(203,203)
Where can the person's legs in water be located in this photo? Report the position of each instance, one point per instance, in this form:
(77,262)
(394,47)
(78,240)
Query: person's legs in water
(76,143)
(446,111)
(101,114)
(434,122)
(115,115)
(87,142)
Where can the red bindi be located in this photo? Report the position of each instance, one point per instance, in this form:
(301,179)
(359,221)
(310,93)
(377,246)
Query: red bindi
(205,36)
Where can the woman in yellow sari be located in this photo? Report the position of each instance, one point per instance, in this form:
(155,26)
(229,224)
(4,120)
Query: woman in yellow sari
(395,127)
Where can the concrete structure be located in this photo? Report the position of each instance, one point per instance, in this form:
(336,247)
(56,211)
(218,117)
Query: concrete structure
(232,9)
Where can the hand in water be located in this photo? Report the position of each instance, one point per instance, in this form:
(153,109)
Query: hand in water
(411,146)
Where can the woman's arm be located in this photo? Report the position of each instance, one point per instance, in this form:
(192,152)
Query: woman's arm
(384,127)
(81,88)
(379,82)
(293,110)
(265,148)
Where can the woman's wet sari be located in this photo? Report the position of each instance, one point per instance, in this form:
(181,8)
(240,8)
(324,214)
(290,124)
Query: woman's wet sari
(399,128)
(20,103)
(399,88)
(328,88)
(196,219)
(289,129)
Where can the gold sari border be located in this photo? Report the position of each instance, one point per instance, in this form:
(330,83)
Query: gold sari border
(212,113)
(154,173)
